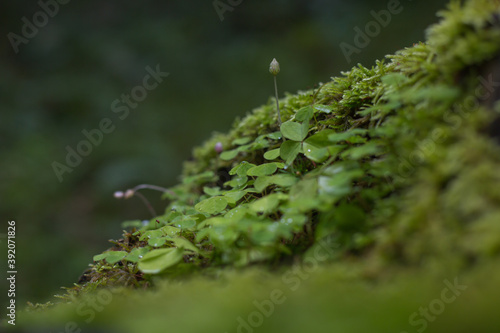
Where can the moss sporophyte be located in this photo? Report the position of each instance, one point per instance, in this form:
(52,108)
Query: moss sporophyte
(134,191)
(274,68)
(370,161)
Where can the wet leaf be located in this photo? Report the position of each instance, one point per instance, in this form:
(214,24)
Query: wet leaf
(229,155)
(295,221)
(315,154)
(282,180)
(347,135)
(237,213)
(241,169)
(183,243)
(294,131)
(113,257)
(272,154)
(275,136)
(137,253)
(233,196)
(158,260)
(169,231)
(320,139)
(237,182)
(323,108)
(99,257)
(289,150)
(261,183)
(304,114)
(151,234)
(157,242)
(266,204)
(212,205)
(241,141)
(211,191)
(262,170)
(200,179)
(184,222)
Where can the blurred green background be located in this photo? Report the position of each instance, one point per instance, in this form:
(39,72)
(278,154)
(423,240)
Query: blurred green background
(65,78)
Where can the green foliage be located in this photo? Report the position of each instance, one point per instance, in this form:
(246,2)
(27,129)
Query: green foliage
(369,160)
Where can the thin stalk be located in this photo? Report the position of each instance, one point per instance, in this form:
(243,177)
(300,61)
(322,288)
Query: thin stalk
(147,203)
(277,101)
(153,187)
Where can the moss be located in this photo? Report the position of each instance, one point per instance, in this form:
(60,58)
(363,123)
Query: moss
(389,167)
(391,187)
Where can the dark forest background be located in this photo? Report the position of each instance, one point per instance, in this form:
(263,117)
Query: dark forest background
(65,78)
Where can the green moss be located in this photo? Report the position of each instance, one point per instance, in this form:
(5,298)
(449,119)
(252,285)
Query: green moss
(388,166)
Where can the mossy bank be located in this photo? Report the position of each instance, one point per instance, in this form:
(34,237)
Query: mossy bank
(378,194)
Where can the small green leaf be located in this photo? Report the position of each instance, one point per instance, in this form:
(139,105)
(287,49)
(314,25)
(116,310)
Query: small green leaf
(157,242)
(211,191)
(241,169)
(266,204)
(229,155)
(183,243)
(279,165)
(261,183)
(294,131)
(323,108)
(184,221)
(345,136)
(169,231)
(113,257)
(316,154)
(294,220)
(244,147)
(262,170)
(158,260)
(237,182)
(320,139)
(99,257)
(186,224)
(315,146)
(199,179)
(272,154)
(151,234)
(282,180)
(305,113)
(241,141)
(236,213)
(137,253)
(233,196)
(260,143)
(275,136)
(212,205)
(289,150)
